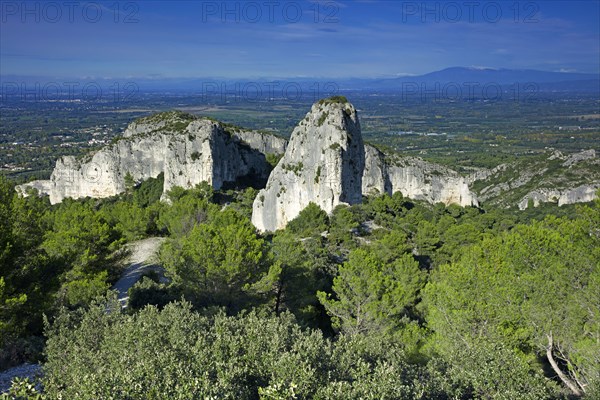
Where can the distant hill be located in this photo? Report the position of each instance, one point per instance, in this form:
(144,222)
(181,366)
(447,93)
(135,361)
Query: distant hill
(464,76)
(503,76)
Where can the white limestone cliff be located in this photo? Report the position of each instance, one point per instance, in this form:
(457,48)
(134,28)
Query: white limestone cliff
(376,178)
(188,150)
(414,178)
(326,163)
(579,194)
(323,164)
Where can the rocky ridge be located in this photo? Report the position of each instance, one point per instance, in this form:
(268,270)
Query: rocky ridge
(187,149)
(552,177)
(415,178)
(328,164)
(325,162)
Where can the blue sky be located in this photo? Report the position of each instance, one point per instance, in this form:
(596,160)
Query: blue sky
(160,39)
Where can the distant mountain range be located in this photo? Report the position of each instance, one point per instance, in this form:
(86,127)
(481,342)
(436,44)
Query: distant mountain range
(464,77)
(489,76)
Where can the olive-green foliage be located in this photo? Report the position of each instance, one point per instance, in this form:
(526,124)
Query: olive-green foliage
(295,168)
(22,389)
(80,236)
(10,300)
(6,195)
(66,254)
(134,213)
(187,209)
(129,182)
(240,200)
(82,288)
(345,222)
(373,367)
(82,239)
(384,209)
(27,275)
(148,291)
(311,221)
(131,220)
(391,245)
(149,191)
(487,369)
(427,301)
(334,99)
(299,268)
(273,159)
(176,353)
(173,121)
(322,118)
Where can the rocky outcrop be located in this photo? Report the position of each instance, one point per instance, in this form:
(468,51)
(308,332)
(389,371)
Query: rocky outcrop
(414,178)
(484,173)
(323,163)
(422,180)
(376,178)
(579,157)
(326,163)
(580,194)
(187,149)
(262,142)
(550,177)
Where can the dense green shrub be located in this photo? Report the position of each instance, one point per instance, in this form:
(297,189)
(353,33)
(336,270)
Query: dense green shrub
(22,389)
(217,262)
(178,354)
(149,292)
(534,290)
(311,221)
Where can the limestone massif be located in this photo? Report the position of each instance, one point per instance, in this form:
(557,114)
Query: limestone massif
(414,178)
(327,163)
(187,149)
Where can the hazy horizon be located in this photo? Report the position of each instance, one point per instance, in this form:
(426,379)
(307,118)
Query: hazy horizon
(316,78)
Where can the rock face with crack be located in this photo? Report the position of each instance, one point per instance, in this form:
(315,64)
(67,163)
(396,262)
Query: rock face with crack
(414,178)
(187,149)
(323,164)
(326,163)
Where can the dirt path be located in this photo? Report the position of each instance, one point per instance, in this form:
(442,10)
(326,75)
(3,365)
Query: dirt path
(142,259)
